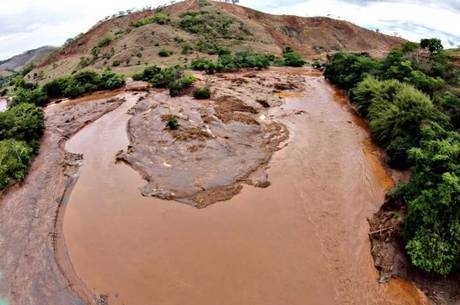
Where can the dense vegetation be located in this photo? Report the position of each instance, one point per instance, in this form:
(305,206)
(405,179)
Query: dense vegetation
(229,62)
(170,77)
(412,100)
(158,17)
(81,83)
(21,127)
(68,86)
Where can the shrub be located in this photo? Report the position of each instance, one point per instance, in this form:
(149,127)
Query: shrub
(24,122)
(346,69)
(15,157)
(292,58)
(158,17)
(202,93)
(432,44)
(35,96)
(83,82)
(209,24)
(165,53)
(104,42)
(177,86)
(110,80)
(203,64)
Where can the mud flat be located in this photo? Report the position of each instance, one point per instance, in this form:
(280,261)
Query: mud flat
(29,273)
(301,240)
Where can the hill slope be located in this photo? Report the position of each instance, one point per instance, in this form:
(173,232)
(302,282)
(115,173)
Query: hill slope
(18,62)
(195,28)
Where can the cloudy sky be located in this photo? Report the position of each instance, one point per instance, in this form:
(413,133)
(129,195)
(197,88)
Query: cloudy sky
(27,24)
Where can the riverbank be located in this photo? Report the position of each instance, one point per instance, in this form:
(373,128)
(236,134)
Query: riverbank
(301,240)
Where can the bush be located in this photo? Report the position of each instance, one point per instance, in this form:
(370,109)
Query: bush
(24,122)
(165,53)
(35,96)
(104,42)
(15,157)
(158,17)
(202,93)
(110,80)
(170,77)
(292,58)
(83,82)
(433,44)
(203,64)
(177,86)
(346,69)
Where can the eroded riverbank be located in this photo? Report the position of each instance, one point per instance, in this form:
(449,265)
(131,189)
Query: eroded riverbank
(303,240)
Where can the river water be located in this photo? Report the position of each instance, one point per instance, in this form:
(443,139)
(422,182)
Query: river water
(302,241)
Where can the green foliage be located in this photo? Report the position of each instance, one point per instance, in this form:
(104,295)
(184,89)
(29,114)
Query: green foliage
(158,17)
(292,58)
(432,231)
(21,127)
(202,93)
(24,122)
(346,69)
(15,157)
(415,132)
(208,24)
(104,42)
(177,86)
(83,82)
(33,96)
(211,47)
(449,103)
(204,64)
(165,53)
(172,123)
(432,44)
(170,77)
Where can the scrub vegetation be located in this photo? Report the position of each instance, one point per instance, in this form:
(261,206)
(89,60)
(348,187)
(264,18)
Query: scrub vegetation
(411,99)
(22,124)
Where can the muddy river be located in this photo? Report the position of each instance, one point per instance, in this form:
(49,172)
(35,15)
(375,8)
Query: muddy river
(301,241)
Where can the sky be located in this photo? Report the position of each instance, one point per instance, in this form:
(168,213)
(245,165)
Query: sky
(28,24)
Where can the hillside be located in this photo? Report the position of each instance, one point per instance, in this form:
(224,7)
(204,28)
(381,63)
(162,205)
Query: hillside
(18,62)
(195,28)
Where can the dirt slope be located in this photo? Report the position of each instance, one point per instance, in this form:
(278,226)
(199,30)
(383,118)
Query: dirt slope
(131,48)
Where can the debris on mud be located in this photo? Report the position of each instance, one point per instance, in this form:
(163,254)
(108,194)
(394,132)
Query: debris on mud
(216,145)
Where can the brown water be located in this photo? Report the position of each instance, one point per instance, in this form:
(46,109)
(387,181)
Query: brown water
(302,241)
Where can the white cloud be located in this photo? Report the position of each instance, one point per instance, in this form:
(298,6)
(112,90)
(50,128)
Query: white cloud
(27,24)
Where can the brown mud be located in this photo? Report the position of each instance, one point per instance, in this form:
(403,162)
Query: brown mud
(302,240)
(29,273)
(218,144)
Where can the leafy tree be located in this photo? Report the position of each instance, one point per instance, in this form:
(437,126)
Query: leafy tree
(432,44)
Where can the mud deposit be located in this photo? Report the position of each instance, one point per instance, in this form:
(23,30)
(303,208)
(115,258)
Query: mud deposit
(302,240)
(29,274)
